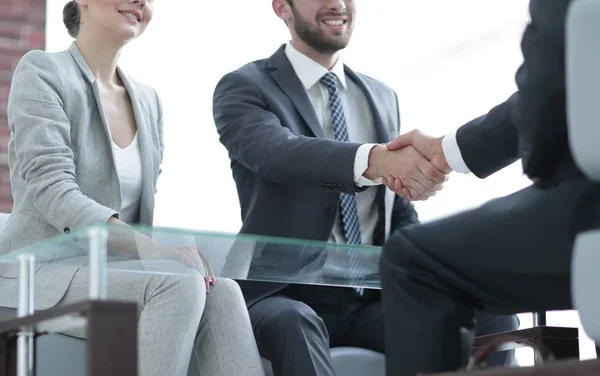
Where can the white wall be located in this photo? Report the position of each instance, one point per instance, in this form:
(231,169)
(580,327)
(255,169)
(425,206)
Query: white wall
(450,61)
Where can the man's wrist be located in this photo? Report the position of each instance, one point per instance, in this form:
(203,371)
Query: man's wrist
(440,157)
(453,155)
(361,162)
(376,157)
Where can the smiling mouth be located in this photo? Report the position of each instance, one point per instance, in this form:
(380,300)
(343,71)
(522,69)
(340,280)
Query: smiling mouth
(131,16)
(335,23)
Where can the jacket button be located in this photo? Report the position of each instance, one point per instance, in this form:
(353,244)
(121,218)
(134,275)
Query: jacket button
(67,230)
(330,210)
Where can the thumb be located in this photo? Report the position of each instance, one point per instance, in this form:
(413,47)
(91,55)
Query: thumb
(400,142)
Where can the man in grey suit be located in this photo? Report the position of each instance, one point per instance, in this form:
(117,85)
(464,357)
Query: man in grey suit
(302,131)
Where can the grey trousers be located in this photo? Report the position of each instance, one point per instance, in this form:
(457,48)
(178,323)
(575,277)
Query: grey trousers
(296,328)
(178,320)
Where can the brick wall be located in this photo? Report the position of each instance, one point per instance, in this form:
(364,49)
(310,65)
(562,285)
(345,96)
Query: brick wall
(22,28)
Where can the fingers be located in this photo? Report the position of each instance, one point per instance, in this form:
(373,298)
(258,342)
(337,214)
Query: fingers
(418,191)
(440,162)
(424,185)
(172,253)
(209,282)
(192,253)
(185,255)
(393,184)
(416,196)
(396,186)
(401,141)
(408,190)
(434,175)
(422,177)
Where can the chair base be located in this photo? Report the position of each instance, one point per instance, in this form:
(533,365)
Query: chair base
(562,342)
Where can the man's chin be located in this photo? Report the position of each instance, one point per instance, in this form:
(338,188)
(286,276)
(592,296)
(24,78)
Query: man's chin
(329,50)
(335,43)
(335,47)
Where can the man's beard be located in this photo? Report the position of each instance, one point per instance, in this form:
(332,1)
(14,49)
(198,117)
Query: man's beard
(314,37)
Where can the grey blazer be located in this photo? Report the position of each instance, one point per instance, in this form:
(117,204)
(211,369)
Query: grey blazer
(62,166)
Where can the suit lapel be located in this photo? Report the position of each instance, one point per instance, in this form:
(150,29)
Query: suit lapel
(382,132)
(89,76)
(284,75)
(140,112)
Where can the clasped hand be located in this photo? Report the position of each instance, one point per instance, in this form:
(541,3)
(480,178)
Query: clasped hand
(413,165)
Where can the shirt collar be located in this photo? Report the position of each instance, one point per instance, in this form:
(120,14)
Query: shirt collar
(309,71)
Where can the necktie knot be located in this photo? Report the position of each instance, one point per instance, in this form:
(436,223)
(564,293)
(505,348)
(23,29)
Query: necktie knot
(330,81)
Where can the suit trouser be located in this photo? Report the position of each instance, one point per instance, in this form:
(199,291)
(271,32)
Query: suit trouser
(296,327)
(177,319)
(511,255)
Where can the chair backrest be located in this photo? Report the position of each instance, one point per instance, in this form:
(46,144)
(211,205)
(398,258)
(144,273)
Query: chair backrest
(583,108)
(583,84)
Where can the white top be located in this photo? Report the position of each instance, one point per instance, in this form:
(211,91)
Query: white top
(129,169)
(361,129)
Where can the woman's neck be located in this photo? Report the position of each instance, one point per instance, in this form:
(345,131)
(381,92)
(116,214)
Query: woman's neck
(101,55)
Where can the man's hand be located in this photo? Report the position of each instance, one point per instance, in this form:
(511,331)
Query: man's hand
(418,179)
(429,147)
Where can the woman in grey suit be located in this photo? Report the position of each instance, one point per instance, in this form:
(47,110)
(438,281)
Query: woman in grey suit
(86,146)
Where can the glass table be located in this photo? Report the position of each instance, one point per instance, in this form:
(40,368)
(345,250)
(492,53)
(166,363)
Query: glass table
(104,249)
(237,256)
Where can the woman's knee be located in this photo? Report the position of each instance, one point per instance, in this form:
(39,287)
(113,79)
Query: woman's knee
(226,295)
(187,291)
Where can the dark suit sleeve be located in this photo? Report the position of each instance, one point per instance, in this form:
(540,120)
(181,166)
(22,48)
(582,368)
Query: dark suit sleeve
(532,122)
(255,137)
(490,142)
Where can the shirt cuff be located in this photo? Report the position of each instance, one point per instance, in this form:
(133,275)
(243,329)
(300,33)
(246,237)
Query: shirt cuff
(453,154)
(361,162)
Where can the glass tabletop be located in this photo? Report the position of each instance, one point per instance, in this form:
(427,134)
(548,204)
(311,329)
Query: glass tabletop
(242,257)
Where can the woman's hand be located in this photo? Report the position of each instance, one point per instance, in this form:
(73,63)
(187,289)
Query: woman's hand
(185,254)
(188,255)
(131,243)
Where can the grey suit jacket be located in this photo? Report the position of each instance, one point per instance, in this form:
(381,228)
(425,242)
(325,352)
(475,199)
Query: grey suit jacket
(62,166)
(288,175)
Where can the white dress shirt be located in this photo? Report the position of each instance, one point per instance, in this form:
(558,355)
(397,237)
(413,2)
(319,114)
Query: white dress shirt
(361,129)
(129,169)
(453,154)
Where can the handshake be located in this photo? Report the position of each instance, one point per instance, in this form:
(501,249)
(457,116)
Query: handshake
(413,165)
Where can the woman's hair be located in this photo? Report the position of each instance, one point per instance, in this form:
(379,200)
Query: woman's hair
(72,18)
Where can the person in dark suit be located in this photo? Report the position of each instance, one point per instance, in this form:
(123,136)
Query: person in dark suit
(304,134)
(510,255)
